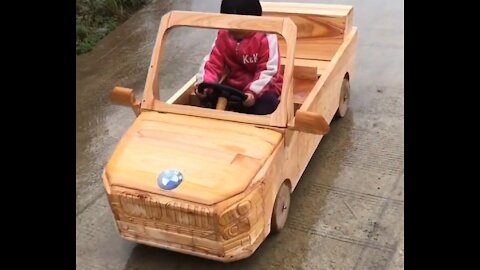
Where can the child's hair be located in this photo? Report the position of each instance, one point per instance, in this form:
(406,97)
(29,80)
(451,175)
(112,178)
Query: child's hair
(241,7)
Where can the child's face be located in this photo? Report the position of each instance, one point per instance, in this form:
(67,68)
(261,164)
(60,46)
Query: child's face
(239,34)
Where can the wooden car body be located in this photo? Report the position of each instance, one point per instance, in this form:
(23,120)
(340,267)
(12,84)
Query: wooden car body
(237,170)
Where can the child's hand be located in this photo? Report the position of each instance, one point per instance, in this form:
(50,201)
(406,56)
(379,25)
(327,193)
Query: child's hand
(250,101)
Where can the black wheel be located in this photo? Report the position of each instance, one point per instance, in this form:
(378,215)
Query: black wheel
(280,208)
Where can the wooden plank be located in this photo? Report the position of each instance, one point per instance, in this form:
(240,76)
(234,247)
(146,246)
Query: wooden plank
(315,27)
(168,239)
(196,251)
(286,112)
(305,73)
(224,21)
(307,8)
(324,100)
(321,28)
(348,24)
(319,64)
(302,88)
(317,38)
(151,91)
(213,114)
(307,68)
(182,96)
(325,95)
(314,49)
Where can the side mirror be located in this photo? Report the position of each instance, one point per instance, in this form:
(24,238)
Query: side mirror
(311,123)
(125,97)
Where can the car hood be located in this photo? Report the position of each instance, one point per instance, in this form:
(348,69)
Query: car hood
(218,159)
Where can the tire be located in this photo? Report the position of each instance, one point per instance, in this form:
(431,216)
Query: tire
(281,208)
(344,98)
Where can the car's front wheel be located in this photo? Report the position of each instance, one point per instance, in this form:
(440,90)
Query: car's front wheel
(280,208)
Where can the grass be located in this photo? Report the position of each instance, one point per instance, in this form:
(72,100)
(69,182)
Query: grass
(97,18)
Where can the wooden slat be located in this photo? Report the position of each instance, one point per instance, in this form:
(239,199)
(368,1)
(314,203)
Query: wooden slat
(308,69)
(302,88)
(151,93)
(211,113)
(317,38)
(197,251)
(348,24)
(183,94)
(307,8)
(286,111)
(321,28)
(314,49)
(224,21)
(315,27)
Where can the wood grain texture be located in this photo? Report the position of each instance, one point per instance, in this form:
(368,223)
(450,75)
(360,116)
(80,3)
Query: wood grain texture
(325,95)
(285,108)
(302,88)
(271,176)
(224,21)
(208,152)
(348,24)
(263,120)
(283,26)
(318,37)
(320,28)
(228,231)
(221,103)
(322,99)
(311,123)
(307,8)
(233,169)
(125,97)
(182,96)
(151,91)
(308,69)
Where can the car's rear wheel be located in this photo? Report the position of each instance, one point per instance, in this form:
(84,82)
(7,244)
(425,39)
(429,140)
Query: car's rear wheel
(280,208)
(344,98)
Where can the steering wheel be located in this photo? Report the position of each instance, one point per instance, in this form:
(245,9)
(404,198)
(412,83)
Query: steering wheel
(224,93)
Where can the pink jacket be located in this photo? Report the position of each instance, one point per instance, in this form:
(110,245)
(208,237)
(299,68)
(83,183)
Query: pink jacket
(253,63)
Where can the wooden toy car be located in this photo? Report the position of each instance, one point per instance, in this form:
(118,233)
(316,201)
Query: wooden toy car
(215,183)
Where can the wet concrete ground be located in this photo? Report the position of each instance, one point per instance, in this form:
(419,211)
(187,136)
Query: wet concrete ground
(348,209)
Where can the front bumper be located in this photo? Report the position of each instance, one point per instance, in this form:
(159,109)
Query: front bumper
(225,252)
(229,232)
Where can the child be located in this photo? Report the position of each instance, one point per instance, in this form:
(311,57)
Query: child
(252,59)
